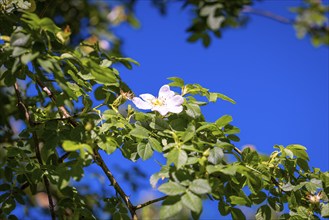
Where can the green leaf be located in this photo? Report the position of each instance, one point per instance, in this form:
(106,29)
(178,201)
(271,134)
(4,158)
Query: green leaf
(19,39)
(200,186)
(8,205)
(193,110)
(102,75)
(139,132)
(178,157)
(287,187)
(73,146)
(263,213)
(223,208)
(170,207)
(225,98)
(238,200)
(228,169)
(258,198)
(299,151)
(325,210)
(172,188)
(192,201)
(178,82)
(154,143)
(25,58)
(4,187)
(109,146)
(224,120)
(144,151)
(216,155)
(275,204)
(233,137)
(237,214)
(189,133)
(159,124)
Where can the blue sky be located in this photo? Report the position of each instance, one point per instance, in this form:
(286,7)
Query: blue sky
(280,83)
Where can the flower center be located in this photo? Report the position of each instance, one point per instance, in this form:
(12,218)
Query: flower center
(157,102)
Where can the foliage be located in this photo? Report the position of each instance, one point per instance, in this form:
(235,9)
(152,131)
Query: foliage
(65,131)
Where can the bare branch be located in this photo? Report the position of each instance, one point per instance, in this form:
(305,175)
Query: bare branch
(267,14)
(36,147)
(99,160)
(150,202)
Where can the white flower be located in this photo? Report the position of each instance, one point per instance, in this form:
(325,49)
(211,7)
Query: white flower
(166,102)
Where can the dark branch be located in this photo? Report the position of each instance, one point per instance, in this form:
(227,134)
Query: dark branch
(99,160)
(150,202)
(36,147)
(267,14)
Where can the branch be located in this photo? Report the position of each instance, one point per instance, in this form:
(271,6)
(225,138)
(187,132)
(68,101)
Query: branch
(267,14)
(36,147)
(149,202)
(62,110)
(97,157)
(99,160)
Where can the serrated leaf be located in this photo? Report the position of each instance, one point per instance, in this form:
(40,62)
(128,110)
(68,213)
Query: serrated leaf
(144,151)
(200,186)
(172,188)
(192,201)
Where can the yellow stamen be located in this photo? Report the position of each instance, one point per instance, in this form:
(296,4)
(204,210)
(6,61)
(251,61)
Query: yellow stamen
(157,102)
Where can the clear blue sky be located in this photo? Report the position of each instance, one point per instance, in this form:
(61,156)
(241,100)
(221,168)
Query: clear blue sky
(280,83)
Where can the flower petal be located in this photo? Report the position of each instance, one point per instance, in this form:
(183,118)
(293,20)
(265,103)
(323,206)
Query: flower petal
(147,97)
(141,104)
(176,109)
(163,110)
(176,100)
(165,92)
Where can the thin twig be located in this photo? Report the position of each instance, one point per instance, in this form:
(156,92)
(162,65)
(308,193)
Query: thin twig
(36,147)
(62,110)
(99,160)
(267,14)
(149,202)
